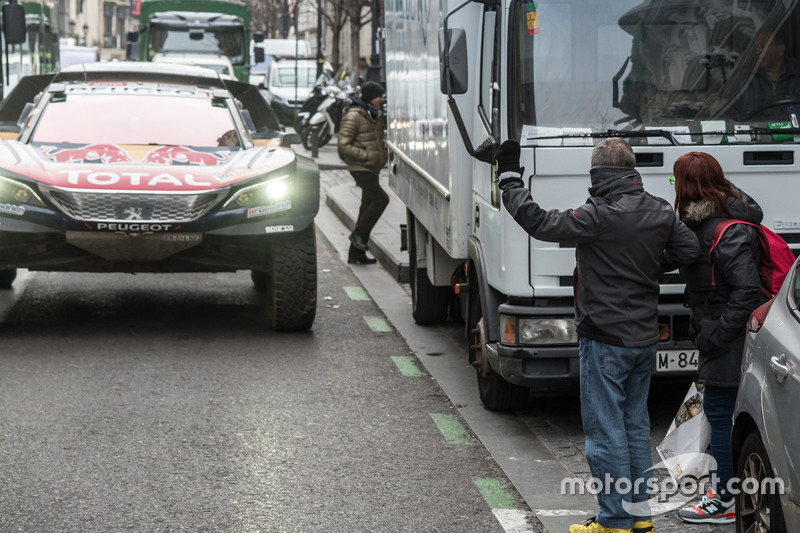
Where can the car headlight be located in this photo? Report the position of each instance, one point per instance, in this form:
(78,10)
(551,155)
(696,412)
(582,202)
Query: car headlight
(518,330)
(264,193)
(14,192)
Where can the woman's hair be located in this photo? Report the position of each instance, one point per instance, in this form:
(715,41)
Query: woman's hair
(698,176)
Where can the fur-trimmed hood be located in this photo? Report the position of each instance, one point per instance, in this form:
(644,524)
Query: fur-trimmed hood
(741,206)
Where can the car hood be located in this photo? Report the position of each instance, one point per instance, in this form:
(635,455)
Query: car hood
(287,93)
(137,167)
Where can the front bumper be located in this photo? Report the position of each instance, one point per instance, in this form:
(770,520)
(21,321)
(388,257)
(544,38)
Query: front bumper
(45,238)
(554,368)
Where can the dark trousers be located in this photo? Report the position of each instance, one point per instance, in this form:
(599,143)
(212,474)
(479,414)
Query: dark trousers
(718,405)
(373,202)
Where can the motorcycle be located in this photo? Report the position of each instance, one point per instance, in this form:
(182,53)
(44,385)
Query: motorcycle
(325,121)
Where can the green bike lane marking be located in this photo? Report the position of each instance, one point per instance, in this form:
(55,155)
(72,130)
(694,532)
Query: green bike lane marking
(451,427)
(356,293)
(407,366)
(377,323)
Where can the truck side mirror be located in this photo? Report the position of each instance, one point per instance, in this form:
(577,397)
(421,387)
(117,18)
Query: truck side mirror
(258,53)
(133,36)
(14,23)
(258,36)
(454,45)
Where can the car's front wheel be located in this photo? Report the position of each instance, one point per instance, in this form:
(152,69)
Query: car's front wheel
(290,281)
(758,506)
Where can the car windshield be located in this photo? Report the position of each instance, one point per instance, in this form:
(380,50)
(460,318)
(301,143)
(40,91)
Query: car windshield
(197,121)
(284,76)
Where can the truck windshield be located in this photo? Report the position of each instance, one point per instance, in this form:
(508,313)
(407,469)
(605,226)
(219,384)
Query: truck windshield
(229,43)
(681,66)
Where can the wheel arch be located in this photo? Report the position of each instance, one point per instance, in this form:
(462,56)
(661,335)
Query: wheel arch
(488,297)
(743,425)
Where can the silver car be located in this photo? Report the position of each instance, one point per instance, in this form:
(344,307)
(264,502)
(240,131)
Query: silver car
(766,432)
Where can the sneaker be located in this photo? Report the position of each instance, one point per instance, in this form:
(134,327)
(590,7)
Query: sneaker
(361,260)
(593,526)
(643,526)
(710,510)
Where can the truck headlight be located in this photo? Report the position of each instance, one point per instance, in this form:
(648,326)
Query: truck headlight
(264,193)
(14,192)
(517,330)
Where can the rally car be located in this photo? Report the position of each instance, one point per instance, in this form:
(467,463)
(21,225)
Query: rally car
(141,167)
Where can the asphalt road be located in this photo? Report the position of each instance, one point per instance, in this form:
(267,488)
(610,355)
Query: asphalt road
(161,403)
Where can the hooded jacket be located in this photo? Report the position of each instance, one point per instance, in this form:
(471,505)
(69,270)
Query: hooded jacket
(360,140)
(624,237)
(720,312)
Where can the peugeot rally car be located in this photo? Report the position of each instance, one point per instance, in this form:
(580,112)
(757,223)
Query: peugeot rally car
(141,167)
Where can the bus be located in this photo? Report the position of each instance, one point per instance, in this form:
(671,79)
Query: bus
(218,27)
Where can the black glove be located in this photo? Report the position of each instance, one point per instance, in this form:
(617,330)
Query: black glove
(507,158)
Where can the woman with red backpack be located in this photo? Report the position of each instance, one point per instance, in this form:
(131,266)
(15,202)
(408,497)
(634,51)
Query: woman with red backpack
(722,290)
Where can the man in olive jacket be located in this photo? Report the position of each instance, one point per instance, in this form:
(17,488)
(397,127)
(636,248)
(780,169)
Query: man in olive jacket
(361,146)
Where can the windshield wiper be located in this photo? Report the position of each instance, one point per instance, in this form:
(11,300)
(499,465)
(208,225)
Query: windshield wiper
(625,134)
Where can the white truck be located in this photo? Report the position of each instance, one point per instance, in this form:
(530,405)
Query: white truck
(560,75)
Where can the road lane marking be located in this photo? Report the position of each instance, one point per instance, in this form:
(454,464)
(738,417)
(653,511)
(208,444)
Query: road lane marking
(452,429)
(565,512)
(503,505)
(356,293)
(376,323)
(512,520)
(407,366)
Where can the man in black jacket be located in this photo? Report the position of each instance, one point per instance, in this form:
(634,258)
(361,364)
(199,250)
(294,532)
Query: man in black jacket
(625,238)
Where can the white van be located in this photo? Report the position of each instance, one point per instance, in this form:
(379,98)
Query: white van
(275,49)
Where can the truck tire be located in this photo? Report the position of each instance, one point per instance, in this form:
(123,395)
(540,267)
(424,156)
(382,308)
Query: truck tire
(496,393)
(429,303)
(291,281)
(7,277)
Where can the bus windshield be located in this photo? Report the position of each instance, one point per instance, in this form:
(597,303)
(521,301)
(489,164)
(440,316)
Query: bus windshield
(685,67)
(229,43)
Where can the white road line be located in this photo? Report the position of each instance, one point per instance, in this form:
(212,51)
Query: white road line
(512,520)
(564,512)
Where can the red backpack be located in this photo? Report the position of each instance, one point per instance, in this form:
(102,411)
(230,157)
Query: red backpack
(776,256)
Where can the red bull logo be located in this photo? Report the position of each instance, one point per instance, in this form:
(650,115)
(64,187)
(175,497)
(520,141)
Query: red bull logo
(181,155)
(90,153)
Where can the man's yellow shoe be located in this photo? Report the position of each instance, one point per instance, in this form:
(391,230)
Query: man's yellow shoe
(643,526)
(593,526)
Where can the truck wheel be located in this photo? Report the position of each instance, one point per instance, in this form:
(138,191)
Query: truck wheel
(291,281)
(761,510)
(7,277)
(429,303)
(496,393)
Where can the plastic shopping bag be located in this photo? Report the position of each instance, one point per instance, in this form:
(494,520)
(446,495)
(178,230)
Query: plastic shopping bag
(683,449)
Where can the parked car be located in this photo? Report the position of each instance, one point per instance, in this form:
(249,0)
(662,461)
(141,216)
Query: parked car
(146,167)
(766,435)
(289,84)
(218,63)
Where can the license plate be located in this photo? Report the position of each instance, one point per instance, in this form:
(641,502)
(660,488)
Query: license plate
(676,361)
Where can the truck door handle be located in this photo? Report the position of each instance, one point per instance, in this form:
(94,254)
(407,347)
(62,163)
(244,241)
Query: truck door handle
(778,365)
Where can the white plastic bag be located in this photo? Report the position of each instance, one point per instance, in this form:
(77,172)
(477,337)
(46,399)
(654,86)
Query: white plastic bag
(683,449)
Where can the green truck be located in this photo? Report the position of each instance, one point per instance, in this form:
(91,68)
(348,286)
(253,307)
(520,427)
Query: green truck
(217,27)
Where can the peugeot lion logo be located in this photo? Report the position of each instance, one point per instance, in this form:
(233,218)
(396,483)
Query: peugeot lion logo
(133,213)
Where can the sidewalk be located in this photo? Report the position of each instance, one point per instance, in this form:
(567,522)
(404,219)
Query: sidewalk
(343,197)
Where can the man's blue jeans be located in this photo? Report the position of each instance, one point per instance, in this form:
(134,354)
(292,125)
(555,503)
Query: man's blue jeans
(615,383)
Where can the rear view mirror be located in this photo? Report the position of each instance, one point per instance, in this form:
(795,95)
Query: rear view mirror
(258,37)
(258,52)
(14,23)
(453,45)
